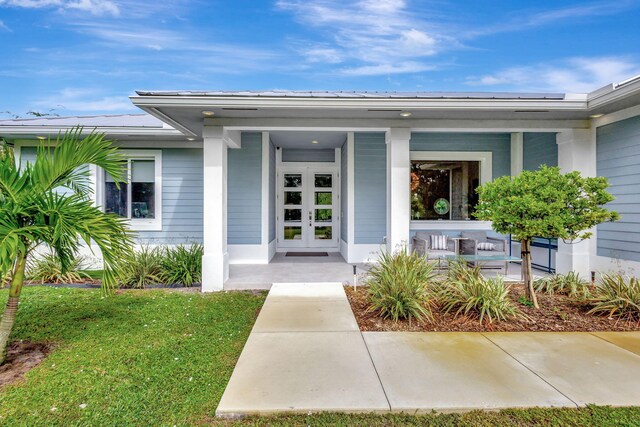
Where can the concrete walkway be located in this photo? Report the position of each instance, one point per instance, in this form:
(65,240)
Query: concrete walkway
(306,353)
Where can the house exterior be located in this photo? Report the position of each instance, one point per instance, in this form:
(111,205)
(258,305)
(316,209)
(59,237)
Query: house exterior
(250,174)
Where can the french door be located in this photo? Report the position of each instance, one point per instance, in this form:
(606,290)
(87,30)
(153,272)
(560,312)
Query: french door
(308,207)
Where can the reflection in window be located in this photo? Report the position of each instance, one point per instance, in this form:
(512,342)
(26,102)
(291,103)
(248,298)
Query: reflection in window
(294,215)
(292,198)
(293,233)
(323,215)
(292,180)
(323,198)
(444,189)
(323,233)
(136,198)
(323,180)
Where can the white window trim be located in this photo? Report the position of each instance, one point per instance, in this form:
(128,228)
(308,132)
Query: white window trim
(138,224)
(486,175)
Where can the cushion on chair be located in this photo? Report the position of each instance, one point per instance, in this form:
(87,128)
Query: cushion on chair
(439,243)
(486,246)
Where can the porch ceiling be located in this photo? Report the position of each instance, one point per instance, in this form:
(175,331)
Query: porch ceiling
(303,139)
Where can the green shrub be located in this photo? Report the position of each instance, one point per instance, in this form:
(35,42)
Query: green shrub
(182,265)
(617,296)
(570,284)
(400,286)
(466,291)
(142,268)
(47,268)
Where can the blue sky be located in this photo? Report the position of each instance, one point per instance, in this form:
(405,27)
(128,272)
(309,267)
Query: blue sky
(86,56)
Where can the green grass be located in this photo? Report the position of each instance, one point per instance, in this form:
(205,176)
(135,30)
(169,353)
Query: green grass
(138,358)
(155,358)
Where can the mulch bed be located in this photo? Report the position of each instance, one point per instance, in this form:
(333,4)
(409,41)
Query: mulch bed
(22,356)
(557,313)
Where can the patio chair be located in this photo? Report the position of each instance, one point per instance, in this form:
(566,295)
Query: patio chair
(478,243)
(422,244)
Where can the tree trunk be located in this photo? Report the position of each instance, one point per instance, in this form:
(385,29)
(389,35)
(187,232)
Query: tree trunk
(525,248)
(9,315)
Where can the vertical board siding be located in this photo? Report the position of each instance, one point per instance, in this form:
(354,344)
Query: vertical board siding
(244,191)
(539,149)
(344,206)
(499,144)
(182,190)
(272,192)
(308,155)
(370,176)
(618,159)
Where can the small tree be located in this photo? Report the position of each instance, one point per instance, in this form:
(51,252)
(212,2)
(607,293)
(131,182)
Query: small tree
(33,212)
(544,203)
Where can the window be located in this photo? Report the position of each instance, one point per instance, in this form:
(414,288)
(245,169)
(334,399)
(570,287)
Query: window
(444,189)
(139,199)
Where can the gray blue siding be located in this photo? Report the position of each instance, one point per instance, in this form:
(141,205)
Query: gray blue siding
(344,207)
(272,192)
(182,191)
(618,159)
(499,144)
(540,148)
(308,155)
(244,191)
(370,176)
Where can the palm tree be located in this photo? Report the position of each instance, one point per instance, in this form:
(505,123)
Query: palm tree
(34,212)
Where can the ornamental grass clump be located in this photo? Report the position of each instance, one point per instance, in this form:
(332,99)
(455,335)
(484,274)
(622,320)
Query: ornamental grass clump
(617,296)
(465,291)
(400,286)
(47,268)
(182,264)
(570,284)
(142,268)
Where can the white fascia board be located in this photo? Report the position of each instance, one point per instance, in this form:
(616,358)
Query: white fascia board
(382,125)
(109,130)
(612,93)
(146,102)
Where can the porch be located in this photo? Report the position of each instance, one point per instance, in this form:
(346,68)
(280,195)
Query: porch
(318,269)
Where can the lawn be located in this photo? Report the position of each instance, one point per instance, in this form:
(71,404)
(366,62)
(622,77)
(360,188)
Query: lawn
(155,358)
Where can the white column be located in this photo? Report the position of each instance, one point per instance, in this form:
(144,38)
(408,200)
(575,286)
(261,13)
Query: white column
(215,262)
(398,187)
(517,153)
(576,152)
(350,200)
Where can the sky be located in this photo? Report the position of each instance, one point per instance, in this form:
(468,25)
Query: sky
(85,57)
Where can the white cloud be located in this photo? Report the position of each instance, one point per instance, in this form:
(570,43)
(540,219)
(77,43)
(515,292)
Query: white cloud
(577,75)
(4,26)
(379,36)
(88,100)
(94,7)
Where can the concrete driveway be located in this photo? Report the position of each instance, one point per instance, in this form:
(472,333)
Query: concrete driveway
(306,353)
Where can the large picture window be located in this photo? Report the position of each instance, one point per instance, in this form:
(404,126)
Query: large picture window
(444,189)
(139,199)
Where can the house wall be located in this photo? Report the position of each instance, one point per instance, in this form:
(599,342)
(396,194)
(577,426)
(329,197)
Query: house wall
(370,182)
(618,159)
(539,148)
(499,144)
(182,189)
(244,191)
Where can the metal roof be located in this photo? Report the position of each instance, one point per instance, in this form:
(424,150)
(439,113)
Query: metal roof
(103,121)
(358,94)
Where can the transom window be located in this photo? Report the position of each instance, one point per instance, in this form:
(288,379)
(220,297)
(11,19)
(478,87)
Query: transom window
(139,199)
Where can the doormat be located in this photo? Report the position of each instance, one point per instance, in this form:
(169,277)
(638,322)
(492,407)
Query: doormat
(307,254)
